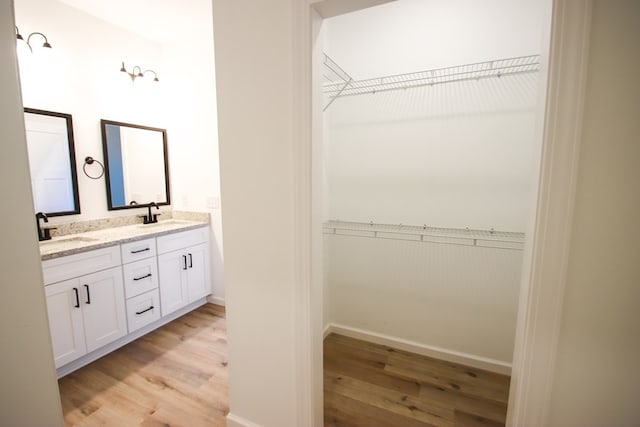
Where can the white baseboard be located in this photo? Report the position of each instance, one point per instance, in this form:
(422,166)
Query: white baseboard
(236,421)
(479,362)
(215,300)
(327,331)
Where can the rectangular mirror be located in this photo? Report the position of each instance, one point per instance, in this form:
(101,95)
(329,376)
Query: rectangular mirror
(52,162)
(136,165)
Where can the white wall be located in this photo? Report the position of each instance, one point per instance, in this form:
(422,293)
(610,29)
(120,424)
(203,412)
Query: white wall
(29,392)
(81,77)
(597,379)
(459,299)
(434,33)
(453,155)
(254,70)
(189,65)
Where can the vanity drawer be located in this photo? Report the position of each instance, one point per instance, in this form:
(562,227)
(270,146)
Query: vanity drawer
(139,249)
(70,266)
(140,276)
(172,242)
(143,309)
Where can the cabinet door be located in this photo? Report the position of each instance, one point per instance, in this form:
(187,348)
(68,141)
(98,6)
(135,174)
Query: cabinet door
(172,268)
(198,276)
(103,307)
(65,321)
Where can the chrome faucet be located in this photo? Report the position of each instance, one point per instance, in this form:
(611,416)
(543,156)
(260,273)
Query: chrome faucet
(43,232)
(151,219)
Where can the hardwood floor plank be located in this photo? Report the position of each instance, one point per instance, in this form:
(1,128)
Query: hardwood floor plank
(343,411)
(463,419)
(357,393)
(366,367)
(482,407)
(470,381)
(389,400)
(174,376)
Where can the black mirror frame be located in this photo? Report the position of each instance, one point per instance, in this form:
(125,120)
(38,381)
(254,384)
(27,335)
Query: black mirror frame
(105,152)
(72,158)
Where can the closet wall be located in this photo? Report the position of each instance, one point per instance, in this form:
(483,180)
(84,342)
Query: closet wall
(456,156)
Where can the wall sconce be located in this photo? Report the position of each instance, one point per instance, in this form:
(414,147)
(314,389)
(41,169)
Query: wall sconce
(28,41)
(137,72)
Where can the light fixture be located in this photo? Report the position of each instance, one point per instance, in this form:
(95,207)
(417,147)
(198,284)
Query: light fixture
(28,41)
(137,72)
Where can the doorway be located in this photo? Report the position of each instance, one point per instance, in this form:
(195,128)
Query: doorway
(377,231)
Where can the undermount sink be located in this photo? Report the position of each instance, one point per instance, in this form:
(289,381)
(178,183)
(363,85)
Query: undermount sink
(162,223)
(77,239)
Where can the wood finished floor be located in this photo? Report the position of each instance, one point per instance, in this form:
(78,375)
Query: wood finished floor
(173,376)
(369,385)
(177,376)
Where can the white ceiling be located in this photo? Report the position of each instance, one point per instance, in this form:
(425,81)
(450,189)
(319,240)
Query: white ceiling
(162,21)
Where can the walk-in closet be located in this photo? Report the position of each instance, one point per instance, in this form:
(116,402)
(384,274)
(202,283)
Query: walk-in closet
(429,149)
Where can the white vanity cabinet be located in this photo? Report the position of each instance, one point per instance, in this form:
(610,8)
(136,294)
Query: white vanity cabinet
(140,269)
(101,299)
(184,268)
(85,302)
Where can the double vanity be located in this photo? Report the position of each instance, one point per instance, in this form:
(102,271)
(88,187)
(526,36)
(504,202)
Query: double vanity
(107,287)
(110,281)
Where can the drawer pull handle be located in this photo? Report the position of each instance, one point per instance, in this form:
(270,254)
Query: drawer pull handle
(140,250)
(86,287)
(75,291)
(142,277)
(184,259)
(144,311)
(190,261)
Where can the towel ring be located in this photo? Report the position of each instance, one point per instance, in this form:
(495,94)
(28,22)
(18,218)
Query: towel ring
(89,161)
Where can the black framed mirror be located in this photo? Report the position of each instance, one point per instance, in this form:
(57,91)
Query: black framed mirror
(52,162)
(136,165)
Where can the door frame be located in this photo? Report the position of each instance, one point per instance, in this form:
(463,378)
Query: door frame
(546,255)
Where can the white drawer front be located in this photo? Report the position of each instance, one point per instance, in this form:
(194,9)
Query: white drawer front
(70,266)
(172,242)
(140,276)
(140,249)
(143,309)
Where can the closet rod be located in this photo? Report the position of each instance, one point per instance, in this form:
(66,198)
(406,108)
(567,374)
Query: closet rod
(479,70)
(450,236)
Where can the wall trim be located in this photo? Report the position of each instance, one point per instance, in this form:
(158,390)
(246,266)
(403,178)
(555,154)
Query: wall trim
(216,300)
(236,421)
(467,359)
(308,391)
(546,258)
(328,328)
(540,310)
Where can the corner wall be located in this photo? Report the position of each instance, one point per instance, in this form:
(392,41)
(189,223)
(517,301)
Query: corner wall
(597,376)
(29,393)
(253,48)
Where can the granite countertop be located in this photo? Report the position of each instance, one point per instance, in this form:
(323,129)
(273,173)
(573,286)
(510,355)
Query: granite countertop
(75,243)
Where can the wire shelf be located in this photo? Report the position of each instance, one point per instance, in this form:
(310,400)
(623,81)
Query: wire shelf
(342,86)
(427,234)
(335,77)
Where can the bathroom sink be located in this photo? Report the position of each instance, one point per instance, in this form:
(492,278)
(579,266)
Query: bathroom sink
(63,243)
(163,223)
